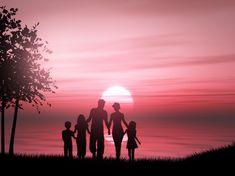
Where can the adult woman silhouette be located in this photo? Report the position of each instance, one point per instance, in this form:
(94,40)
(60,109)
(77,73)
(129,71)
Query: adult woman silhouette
(117,131)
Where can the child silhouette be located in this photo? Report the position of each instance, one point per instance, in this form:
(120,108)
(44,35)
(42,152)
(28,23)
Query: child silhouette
(81,127)
(131,142)
(67,135)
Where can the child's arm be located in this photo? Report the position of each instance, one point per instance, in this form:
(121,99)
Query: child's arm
(137,140)
(90,116)
(88,129)
(75,129)
(73,132)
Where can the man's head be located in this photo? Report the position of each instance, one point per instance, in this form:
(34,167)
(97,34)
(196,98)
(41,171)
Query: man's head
(101,103)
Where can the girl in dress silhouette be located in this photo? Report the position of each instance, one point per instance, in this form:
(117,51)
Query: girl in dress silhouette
(117,132)
(131,142)
(81,127)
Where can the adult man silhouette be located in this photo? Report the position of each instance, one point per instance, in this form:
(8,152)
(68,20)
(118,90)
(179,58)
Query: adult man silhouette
(97,116)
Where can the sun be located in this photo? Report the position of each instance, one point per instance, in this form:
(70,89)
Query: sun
(117,94)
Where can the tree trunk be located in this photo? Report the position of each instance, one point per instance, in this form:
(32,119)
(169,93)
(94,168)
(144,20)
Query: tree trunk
(3,127)
(11,147)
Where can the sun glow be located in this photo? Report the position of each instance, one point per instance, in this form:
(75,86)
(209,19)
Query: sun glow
(109,138)
(117,94)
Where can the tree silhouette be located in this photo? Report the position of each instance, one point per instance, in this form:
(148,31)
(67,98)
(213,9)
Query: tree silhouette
(7,24)
(28,80)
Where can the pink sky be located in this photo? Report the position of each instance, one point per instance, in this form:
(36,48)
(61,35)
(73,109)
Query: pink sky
(176,57)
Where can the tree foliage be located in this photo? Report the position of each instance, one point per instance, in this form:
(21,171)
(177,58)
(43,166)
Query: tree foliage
(22,54)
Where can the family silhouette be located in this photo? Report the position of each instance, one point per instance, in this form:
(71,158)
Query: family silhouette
(97,116)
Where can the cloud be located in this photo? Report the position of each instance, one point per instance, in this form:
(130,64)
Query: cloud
(149,8)
(189,95)
(124,7)
(201,60)
(136,53)
(194,61)
(132,62)
(135,43)
(161,62)
(139,7)
(169,7)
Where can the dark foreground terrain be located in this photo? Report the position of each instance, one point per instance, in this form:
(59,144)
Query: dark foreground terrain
(218,161)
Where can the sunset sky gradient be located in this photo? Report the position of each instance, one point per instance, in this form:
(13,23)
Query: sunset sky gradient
(176,57)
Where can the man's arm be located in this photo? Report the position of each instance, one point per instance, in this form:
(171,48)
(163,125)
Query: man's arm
(106,120)
(73,134)
(90,116)
(110,121)
(109,125)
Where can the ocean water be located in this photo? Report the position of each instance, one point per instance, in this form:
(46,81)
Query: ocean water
(157,139)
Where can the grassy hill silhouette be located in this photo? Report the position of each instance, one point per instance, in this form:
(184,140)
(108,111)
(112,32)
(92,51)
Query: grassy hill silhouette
(221,160)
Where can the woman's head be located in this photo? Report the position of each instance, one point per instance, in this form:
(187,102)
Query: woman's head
(81,118)
(116,106)
(132,125)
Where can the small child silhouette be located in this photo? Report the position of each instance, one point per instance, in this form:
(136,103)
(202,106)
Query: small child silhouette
(67,135)
(131,142)
(81,127)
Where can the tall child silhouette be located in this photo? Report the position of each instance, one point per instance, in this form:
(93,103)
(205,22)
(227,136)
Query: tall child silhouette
(81,127)
(131,142)
(67,135)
